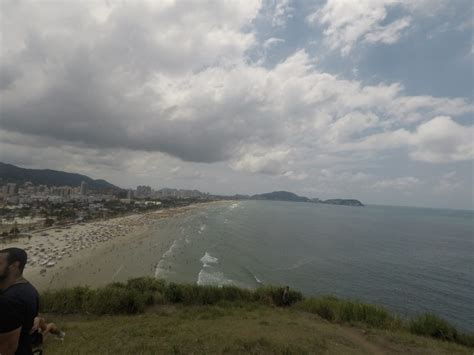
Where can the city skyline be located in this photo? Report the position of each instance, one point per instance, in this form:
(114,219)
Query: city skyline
(367,100)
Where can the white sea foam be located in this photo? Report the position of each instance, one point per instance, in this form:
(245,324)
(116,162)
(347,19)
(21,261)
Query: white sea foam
(257,279)
(208,259)
(160,269)
(234,205)
(170,251)
(202,228)
(209,277)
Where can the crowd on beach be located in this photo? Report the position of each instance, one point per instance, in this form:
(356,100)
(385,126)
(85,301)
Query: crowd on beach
(48,247)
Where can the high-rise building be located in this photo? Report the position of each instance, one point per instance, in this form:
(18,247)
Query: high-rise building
(144,191)
(84,188)
(12,189)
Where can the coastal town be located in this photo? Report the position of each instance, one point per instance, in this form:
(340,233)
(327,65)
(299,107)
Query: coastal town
(25,207)
(61,225)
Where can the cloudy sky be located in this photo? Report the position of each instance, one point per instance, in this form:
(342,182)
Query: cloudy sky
(366,99)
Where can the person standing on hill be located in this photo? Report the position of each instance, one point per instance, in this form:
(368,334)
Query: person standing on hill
(19,304)
(286,296)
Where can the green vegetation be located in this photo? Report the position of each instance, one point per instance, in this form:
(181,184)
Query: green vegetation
(435,327)
(141,294)
(335,309)
(132,297)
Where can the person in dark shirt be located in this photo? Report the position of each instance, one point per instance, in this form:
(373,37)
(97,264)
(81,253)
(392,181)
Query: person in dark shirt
(19,303)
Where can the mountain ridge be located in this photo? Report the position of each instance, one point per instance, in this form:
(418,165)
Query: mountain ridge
(12,173)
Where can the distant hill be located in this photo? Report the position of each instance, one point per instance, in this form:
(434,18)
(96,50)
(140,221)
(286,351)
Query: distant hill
(12,173)
(280,196)
(290,196)
(343,202)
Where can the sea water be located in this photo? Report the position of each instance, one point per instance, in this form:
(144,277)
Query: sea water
(410,260)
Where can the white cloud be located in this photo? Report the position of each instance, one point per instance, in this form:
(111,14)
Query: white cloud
(282,10)
(447,184)
(388,34)
(175,79)
(272,42)
(400,183)
(348,22)
(292,175)
(258,160)
(443,140)
(439,140)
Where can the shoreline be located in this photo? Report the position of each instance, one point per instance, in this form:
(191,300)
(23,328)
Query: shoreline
(86,254)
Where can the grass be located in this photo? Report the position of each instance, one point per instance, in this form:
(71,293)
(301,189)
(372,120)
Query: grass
(216,329)
(139,295)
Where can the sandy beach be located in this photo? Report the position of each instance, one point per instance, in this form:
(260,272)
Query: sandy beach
(95,253)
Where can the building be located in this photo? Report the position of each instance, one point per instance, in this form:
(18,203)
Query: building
(144,191)
(84,188)
(11,189)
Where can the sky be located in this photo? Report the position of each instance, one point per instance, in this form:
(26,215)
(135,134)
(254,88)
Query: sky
(366,99)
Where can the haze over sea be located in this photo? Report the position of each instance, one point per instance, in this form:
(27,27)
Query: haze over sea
(410,260)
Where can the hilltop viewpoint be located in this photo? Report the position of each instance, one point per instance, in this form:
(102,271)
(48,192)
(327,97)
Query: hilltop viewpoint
(150,316)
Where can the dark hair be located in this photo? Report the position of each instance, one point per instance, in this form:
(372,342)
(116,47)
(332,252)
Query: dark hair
(16,254)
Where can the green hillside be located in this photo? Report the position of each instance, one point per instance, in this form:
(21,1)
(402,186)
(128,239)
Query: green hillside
(251,329)
(148,316)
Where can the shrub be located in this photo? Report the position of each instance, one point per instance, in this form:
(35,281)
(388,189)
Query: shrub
(159,298)
(174,293)
(234,293)
(144,284)
(433,326)
(115,300)
(334,309)
(66,300)
(209,294)
(274,295)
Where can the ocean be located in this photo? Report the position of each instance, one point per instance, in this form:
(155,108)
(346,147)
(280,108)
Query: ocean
(409,260)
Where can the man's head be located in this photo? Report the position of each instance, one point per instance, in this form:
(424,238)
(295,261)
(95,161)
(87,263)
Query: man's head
(12,262)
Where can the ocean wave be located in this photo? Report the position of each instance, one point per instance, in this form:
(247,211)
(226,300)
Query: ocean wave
(257,279)
(296,265)
(234,205)
(209,277)
(250,273)
(208,259)
(160,270)
(170,251)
